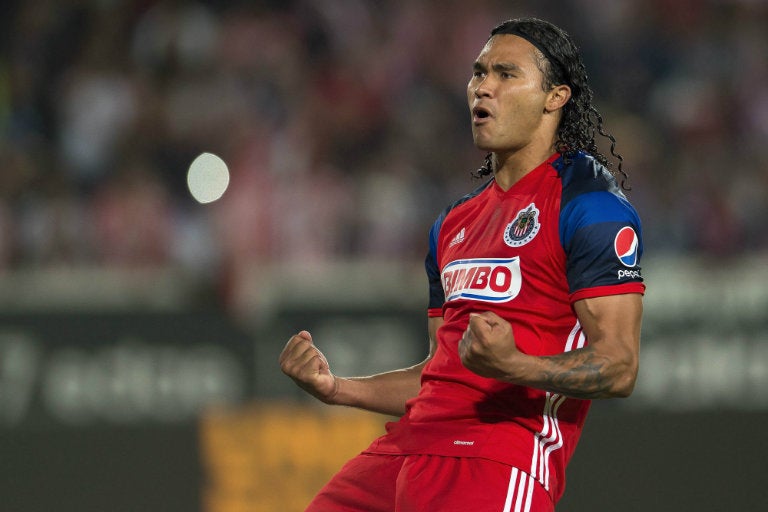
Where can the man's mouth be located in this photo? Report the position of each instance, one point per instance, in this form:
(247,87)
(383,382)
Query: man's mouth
(480,114)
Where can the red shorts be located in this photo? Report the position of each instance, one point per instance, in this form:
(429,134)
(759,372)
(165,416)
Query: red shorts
(428,483)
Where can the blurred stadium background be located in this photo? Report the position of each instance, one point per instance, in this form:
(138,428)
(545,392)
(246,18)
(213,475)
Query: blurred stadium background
(139,330)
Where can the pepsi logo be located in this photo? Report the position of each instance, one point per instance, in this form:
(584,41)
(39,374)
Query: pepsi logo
(626,246)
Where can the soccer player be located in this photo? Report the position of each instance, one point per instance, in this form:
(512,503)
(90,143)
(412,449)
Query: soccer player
(535,305)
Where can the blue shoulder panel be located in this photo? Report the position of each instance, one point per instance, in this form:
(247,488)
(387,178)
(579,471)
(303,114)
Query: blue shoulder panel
(600,231)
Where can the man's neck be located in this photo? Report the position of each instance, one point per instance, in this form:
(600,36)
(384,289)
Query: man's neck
(512,167)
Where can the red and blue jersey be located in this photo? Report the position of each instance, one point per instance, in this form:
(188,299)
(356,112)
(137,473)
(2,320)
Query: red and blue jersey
(562,233)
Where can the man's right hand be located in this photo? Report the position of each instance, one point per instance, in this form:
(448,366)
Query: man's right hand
(307,366)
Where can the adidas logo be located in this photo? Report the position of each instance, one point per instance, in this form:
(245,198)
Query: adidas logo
(458,238)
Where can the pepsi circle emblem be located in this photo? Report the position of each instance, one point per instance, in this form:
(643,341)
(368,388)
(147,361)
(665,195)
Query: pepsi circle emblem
(626,244)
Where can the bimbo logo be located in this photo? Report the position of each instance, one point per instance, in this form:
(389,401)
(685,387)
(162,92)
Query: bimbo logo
(626,245)
(490,280)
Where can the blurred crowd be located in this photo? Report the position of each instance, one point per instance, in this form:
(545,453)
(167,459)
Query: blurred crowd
(344,124)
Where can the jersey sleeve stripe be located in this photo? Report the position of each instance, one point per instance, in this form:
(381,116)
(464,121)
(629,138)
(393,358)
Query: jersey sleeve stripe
(602,291)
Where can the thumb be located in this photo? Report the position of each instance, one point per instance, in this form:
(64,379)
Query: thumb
(478,322)
(490,317)
(306,335)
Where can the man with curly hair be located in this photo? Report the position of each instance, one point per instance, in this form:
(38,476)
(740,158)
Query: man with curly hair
(535,304)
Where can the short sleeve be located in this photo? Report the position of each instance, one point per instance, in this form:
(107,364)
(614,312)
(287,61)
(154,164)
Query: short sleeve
(436,293)
(602,237)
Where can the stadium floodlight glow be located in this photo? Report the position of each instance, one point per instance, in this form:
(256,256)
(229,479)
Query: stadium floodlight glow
(207,178)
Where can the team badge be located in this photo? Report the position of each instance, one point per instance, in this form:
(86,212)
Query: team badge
(626,244)
(525,226)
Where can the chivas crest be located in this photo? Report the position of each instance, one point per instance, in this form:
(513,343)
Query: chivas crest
(525,226)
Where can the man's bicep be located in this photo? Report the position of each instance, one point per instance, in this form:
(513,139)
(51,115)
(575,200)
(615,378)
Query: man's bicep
(612,323)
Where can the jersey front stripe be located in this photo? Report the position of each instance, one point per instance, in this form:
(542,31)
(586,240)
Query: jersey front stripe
(548,439)
(576,336)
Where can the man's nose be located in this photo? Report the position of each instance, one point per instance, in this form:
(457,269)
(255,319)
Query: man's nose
(484,87)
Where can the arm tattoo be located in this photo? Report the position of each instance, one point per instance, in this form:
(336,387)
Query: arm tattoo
(578,374)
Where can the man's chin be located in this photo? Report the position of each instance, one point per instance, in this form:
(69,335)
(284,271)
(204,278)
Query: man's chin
(482,144)
(485,146)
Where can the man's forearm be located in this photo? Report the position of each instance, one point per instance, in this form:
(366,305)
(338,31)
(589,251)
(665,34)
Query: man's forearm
(384,393)
(583,373)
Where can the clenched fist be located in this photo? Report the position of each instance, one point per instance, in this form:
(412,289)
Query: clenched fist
(488,346)
(307,366)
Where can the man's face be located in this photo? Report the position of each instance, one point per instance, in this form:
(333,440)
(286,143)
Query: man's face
(505,95)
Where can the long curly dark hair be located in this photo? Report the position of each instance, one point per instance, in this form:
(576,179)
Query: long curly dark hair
(561,63)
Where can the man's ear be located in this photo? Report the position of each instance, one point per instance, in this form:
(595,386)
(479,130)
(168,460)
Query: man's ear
(557,98)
